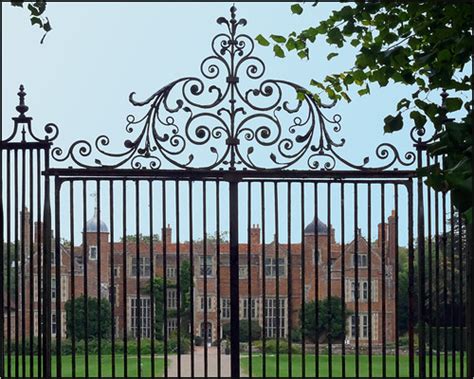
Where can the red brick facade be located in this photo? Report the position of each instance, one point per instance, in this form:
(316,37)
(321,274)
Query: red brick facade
(314,284)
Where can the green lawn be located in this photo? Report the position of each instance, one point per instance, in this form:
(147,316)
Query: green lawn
(257,366)
(66,369)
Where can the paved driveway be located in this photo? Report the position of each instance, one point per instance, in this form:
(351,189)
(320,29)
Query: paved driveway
(199,364)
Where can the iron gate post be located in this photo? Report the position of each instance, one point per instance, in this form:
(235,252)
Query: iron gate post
(470,301)
(47,275)
(421,265)
(234,278)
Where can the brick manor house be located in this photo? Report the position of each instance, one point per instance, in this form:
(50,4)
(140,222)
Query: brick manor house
(96,234)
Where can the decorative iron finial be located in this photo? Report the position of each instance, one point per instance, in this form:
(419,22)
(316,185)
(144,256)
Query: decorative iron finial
(233,10)
(22,108)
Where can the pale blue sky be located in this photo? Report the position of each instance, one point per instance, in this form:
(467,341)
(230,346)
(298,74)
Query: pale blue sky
(97,53)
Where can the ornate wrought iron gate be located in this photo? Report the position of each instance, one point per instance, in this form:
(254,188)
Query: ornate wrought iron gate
(149,264)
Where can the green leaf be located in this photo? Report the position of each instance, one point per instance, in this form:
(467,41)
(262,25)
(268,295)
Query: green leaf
(346,97)
(277,38)
(300,96)
(262,40)
(278,51)
(17,3)
(355,42)
(332,55)
(296,9)
(403,103)
(392,123)
(453,104)
(418,118)
(303,53)
(444,55)
(290,44)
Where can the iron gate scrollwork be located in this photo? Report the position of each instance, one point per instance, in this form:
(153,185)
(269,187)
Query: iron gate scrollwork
(229,119)
(267,148)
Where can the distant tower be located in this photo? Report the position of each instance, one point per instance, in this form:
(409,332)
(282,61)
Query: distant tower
(96,236)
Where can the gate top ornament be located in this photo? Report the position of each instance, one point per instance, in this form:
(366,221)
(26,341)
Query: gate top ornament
(269,124)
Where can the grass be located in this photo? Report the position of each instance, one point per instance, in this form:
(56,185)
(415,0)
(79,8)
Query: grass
(66,366)
(310,366)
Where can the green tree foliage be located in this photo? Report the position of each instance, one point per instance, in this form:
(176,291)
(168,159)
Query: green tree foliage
(331,322)
(157,289)
(422,45)
(37,10)
(95,326)
(255,330)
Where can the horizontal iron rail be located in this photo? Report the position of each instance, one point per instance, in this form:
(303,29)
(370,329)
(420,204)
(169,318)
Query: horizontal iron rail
(132,174)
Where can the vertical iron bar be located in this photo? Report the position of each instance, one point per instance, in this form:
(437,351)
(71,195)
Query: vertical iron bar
(461,297)
(411,284)
(289,289)
(397,343)
(73,291)
(152,274)
(2,278)
(356,277)
(9,289)
(47,274)
(99,283)
(31,297)
(137,273)
(249,272)
(22,258)
(445,285)
(39,262)
(218,253)
(453,288)
(329,285)
(112,272)
(85,263)
(191,258)
(421,269)
(16,273)
(165,289)
(430,278)
(384,286)
(343,278)
(369,272)
(124,277)
(303,281)
(316,276)
(264,300)
(206,308)
(234,278)
(57,260)
(437,283)
(178,277)
(277,265)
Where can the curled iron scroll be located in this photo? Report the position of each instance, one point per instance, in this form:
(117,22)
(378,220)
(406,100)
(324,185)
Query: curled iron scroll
(230,117)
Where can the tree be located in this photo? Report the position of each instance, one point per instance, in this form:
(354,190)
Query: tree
(95,327)
(255,330)
(37,10)
(331,322)
(157,289)
(426,45)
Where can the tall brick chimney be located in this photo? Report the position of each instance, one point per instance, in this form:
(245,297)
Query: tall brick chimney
(167,233)
(255,235)
(26,217)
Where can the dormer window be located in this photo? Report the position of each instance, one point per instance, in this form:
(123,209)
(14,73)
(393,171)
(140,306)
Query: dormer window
(361,260)
(93,253)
